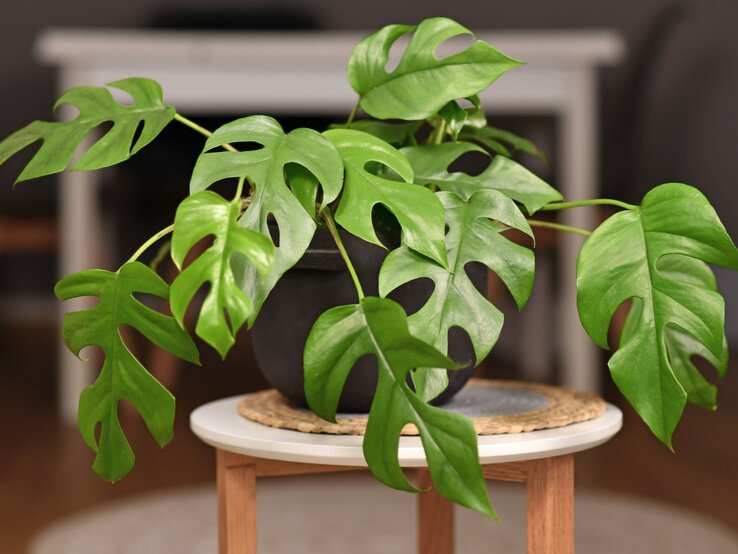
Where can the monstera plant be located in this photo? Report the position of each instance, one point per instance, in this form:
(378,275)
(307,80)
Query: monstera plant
(419,119)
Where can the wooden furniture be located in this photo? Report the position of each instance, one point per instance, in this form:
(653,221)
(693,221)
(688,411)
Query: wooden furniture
(543,460)
(304,73)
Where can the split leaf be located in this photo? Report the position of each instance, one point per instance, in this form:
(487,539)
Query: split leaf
(122,376)
(418,211)
(676,310)
(378,327)
(208,214)
(430,164)
(421,84)
(265,167)
(96,106)
(474,236)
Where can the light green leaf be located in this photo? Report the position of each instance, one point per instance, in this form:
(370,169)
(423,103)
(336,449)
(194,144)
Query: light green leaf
(474,236)
(265,167)
(430,164)
(396,134)
(421,84)
(501,141)
(631,256)
(416,208)
(207,214)
(122,375)
(378,327)
(96,106)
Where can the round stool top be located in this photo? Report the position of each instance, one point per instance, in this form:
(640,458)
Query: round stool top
(220,425)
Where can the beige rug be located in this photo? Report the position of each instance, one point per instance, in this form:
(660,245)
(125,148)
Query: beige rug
(352,513)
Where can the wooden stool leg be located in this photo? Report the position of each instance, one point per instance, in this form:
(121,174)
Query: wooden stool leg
(551,505)
(236,504)
(435,519)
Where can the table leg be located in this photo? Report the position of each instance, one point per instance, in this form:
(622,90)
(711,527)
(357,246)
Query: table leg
(236,504)
(435,519)
(551,505)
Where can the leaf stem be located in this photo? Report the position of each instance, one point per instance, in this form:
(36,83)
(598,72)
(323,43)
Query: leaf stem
(326,215)
(239,189)
(200,129)
(592,202)
(438,139)
(141,249)
(559,227)
(353,113)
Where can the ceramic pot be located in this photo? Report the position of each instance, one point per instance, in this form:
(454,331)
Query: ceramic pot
(320,281)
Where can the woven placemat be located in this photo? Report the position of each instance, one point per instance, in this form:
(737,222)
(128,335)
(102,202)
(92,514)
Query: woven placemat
(496,407)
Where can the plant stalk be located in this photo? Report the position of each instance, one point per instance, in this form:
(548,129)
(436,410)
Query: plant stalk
(141,249)
(438,139)
(353,113)
(559,227)
(200,129)
(592,202)
(326,215)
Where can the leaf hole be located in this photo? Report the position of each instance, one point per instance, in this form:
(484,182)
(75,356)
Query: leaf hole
(137,133)
(479,275)
(460,348)
(453,45)
(247,146)
(386,226)
(122,97)
(395,54)
(150,300)
(472,163)
(413,295)
(273,228)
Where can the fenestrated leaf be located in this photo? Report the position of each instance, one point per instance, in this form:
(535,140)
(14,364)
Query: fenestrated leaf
(122,375)
(430,164)
(421,84)
(378,327)
(474,236)
(680,345)
(208,214)
(678,311)
(271,195)
(96,106)
(501,141)
(416,208)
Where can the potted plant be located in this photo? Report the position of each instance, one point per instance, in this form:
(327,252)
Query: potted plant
(420,117)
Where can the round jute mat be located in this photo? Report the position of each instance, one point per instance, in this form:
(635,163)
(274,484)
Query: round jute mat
(496,407)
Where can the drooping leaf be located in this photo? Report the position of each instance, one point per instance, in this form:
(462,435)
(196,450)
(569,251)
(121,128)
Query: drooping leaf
(122,376)
(304,186)
(271,195)
(473,237)
(421,84)
(378,327)
(678,311)
(416,208)
(680,345)
(208,214)
(501,141)
(96,106)
(430,164)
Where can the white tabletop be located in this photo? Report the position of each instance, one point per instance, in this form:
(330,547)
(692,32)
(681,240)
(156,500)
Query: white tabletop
(220,425)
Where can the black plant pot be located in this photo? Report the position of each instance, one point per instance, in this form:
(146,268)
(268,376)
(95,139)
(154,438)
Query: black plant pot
(320,281)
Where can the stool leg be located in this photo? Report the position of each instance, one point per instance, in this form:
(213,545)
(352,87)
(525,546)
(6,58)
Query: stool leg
(435,519)
(551,505)
(236,504)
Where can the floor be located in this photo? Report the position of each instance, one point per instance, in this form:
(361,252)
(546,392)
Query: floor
(44,466)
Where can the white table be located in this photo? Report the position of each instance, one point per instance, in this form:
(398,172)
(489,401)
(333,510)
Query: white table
(305,74)
(542,459)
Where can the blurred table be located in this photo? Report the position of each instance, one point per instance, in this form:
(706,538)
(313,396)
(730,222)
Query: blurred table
(304,73)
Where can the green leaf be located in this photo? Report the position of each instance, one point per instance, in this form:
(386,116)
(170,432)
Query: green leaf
(430,164)
(473,237)
(501,141)
(378,327)
(96,106)
(455,117)
(396,134)
(206,214)
(265,167)
(122,375)
(304,186)
(421,84)
(677,309)
(416,208)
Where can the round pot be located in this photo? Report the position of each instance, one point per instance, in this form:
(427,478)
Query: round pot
(320,281)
